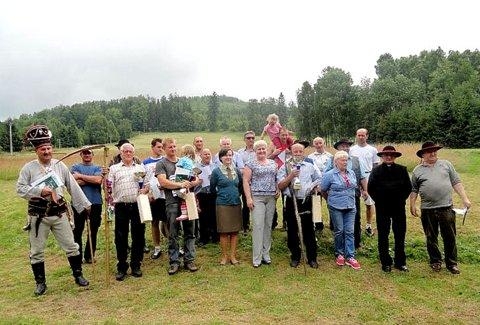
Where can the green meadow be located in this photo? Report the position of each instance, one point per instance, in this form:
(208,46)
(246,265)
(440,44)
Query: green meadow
(241,294)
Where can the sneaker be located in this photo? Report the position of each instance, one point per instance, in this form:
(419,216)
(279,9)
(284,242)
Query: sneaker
(369,231)
(156,254)
(340,260)
(191,267)
(137,272)
(173,269)
(453,269)
(120,276)
(353,263)
(146,249)
(183,217)
(436,266)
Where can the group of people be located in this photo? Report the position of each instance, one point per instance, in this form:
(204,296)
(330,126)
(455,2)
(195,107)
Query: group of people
(235,191)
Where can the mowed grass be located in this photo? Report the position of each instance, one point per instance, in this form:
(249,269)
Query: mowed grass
(241,294)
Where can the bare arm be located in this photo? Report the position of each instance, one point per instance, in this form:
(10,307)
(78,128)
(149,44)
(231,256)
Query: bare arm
(247,177)
(413,200)
(461,192)
(172,185)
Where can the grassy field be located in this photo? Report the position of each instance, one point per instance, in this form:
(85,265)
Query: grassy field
(241,294)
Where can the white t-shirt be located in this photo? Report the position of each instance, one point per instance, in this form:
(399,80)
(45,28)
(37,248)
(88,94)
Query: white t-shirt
(367,155)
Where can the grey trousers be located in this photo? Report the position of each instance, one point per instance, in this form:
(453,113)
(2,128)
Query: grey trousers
(262,218)
(61,229)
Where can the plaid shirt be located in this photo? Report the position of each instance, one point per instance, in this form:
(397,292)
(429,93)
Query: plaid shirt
(124,184)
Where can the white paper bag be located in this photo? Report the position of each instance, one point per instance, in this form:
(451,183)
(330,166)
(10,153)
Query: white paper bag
(144,208)
(316,208)
(191,206)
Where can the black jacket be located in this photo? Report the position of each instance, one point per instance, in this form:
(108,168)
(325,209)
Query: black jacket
(389,187)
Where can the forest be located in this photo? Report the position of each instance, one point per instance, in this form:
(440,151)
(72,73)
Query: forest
(431,95)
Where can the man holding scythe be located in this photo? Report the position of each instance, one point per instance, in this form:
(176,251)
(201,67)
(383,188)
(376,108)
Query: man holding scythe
(301,176)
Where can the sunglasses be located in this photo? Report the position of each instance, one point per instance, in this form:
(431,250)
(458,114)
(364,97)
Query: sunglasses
(250,138)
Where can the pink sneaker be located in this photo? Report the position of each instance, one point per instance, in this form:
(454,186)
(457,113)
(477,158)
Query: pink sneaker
(182,217)
(340,260)
(353,263)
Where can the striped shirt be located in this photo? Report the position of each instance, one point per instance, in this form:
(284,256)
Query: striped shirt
(125,186)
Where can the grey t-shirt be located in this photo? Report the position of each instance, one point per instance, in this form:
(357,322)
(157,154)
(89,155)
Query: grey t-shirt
(167,167)
(435,184)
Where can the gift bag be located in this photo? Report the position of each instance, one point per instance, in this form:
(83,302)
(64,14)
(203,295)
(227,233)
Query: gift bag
(316,208)
(191,205)
(144,208)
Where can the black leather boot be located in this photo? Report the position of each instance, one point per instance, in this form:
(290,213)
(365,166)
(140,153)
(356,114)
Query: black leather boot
(39,274)
(76,265)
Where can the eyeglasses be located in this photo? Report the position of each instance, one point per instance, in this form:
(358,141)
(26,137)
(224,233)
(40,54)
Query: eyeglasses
(250,138)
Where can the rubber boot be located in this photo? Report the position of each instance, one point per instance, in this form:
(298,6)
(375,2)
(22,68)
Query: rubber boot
(76,265)
(39,274)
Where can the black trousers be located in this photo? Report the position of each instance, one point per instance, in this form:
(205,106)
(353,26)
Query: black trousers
(126,215)
(398,223)
(245,213)
(207,218)
(95,222)
(308,231)
(443,218)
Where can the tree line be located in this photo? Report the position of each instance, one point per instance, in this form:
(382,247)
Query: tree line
(108,121)
(432,95)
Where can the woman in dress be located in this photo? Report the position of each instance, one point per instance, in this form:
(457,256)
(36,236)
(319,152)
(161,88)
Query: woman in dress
(226,183)
(260,185)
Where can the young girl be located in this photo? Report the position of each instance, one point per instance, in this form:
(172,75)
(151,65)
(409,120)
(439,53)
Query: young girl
(185,168)
(273,129)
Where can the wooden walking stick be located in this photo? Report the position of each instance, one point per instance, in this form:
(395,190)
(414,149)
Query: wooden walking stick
(106,220)
(299,225)
(89,233)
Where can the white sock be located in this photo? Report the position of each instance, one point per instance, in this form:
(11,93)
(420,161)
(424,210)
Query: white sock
(368,226)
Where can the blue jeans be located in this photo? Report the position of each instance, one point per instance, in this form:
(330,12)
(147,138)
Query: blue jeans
(343,223)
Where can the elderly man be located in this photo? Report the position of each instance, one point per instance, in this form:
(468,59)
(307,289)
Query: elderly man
(353,164)
(89,176)
(247,153)
(237,161)
(320,156)
(389,186)
(42,182)
(367,155)
(199,145)
(303,176)
(206,200)
(165,172)
(126,178)
(434,180)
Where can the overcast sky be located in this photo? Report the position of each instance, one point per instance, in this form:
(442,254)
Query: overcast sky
(65,52)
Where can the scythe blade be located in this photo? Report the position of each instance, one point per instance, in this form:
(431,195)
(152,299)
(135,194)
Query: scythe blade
(91,147)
